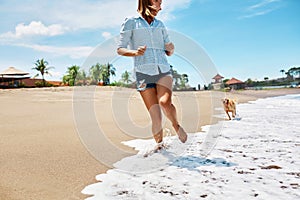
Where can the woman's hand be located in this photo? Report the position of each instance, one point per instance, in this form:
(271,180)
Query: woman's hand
(127,52)
(141,50)
(169,48)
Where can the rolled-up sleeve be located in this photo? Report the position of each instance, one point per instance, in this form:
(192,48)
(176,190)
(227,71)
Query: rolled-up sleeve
(135,32)
(165,34)
(125,33)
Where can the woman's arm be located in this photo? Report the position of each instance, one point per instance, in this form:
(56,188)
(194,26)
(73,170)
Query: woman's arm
(131,53)
(169,48)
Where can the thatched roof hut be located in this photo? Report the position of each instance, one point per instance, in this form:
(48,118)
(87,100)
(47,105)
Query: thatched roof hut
(11,71)
(11,77)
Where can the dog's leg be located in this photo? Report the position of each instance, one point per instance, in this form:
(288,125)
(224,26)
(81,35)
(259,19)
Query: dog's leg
(234,113)
(228,115)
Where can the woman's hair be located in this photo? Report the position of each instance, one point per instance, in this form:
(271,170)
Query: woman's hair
(145,8)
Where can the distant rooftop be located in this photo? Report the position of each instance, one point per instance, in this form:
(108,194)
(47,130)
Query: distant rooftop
(11,71)
(234,81)
(218,76)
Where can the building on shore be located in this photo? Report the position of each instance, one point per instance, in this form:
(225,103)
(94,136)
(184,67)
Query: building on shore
(218,83)
(12,77)
(235,84)
(15,78)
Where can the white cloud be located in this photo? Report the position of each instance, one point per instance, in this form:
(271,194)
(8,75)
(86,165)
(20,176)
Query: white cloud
(56,17)
(106,35)
(38,28)
(258,13)
(262,8)
(73,52)
(35,28)
(168,7)
(79,14)
(262,4)
(63,16)
(76,14)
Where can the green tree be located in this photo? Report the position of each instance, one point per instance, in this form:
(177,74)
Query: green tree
(249,82)
(176,78)
(82,77)
(73,72)
(106,72)
(183,80)
(180,80)
(42,67)
(126,77)
(294,71)
(282,71)
(66,79)
(102,73)
(95,72)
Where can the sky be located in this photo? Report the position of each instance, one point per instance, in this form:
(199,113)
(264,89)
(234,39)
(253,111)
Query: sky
(243,38)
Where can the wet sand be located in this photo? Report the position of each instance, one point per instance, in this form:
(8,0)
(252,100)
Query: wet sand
(43,155)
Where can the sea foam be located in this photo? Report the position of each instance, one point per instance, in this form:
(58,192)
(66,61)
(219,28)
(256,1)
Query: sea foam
(257,157)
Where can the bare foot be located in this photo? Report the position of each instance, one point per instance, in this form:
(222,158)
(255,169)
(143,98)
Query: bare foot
(158,137)
(181,134)
(159,147)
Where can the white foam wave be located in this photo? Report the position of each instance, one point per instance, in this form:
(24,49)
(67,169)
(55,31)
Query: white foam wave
(257,157)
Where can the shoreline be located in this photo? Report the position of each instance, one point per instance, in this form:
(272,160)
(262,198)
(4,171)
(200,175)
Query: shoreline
(247,154)
(42,156)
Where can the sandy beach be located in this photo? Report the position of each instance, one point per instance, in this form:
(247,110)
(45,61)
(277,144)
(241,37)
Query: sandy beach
(42,154)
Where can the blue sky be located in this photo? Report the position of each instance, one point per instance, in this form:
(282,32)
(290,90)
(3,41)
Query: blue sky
(244,38)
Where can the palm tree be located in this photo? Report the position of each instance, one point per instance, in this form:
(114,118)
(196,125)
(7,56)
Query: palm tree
(41,66)
(107,71)
(102,72)
(126,77)
(294,71)
(183,80)
(66,79)
(282,71)
(73,72)
(95,72)
(82,76)
(176,78)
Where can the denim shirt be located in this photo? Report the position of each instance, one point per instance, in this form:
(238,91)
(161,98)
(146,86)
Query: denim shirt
(135,32)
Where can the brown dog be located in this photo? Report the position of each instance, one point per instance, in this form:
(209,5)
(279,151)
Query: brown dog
(229,106)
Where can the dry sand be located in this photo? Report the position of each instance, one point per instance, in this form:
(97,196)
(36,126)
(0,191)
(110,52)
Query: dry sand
(42,155)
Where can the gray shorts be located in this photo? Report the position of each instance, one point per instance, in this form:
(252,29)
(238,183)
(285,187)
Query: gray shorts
(145,81)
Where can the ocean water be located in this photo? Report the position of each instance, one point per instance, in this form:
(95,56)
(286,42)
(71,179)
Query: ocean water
(257,157)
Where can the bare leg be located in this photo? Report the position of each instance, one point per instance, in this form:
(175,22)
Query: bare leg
(164,96)
(150,100)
